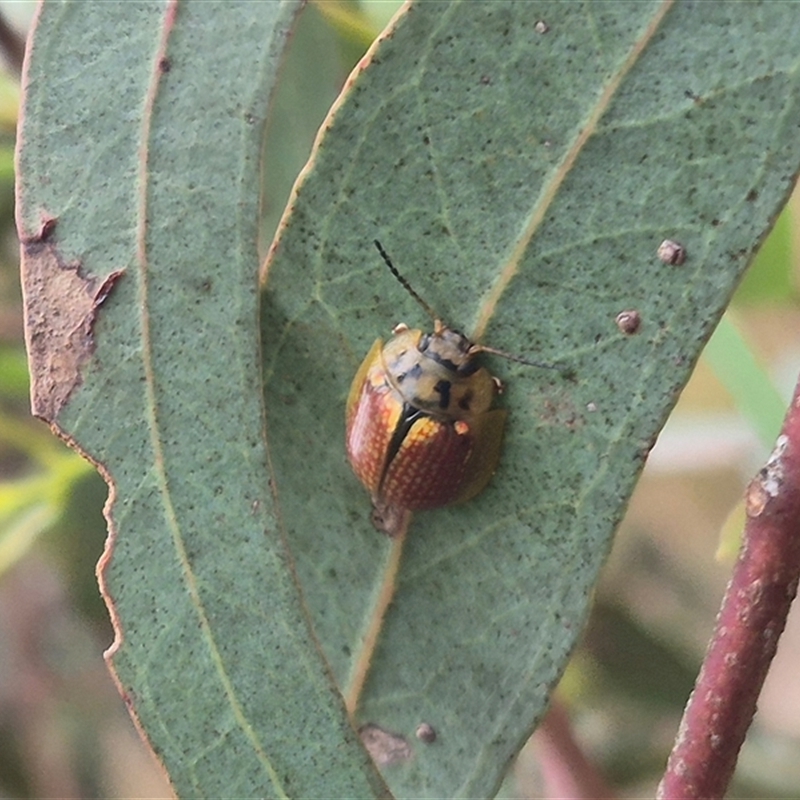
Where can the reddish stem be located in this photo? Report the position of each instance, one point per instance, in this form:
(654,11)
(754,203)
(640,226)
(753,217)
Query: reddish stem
(750,621)
(566,772)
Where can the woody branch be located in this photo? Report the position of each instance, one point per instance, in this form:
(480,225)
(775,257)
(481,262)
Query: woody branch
(749,624)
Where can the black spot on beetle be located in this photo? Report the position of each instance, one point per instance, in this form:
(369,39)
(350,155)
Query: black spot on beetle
(414,373)
(442,388)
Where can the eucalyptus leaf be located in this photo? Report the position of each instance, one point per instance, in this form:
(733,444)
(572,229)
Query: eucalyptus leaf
(522,164)
(138,204)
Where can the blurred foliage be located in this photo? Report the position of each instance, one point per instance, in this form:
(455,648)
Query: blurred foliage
(746,379)
(630,677)
(772,278)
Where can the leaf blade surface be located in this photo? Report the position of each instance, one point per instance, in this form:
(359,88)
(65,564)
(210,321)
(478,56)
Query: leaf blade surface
(549,161)
(139,159)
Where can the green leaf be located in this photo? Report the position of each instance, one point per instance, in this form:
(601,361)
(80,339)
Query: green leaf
(770,280)
(14,372)
(30,505)
(311,77)
(747,381)
(138,187)
(522,177)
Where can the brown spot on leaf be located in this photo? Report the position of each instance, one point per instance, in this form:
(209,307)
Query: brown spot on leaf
(559,410)
(425,732)
(629,321)
(61,303)
(46,229)
(671,252)
(384,747)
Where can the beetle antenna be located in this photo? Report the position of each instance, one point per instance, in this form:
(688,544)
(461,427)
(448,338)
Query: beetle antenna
(404,283)
(479,348)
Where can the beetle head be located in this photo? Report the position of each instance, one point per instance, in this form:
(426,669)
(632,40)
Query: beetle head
(450,348)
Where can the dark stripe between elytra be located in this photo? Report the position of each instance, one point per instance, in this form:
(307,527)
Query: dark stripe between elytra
(409,416)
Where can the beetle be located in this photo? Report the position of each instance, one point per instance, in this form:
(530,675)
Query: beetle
(421,432)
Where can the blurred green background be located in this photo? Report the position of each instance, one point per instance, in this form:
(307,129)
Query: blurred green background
(64,731)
